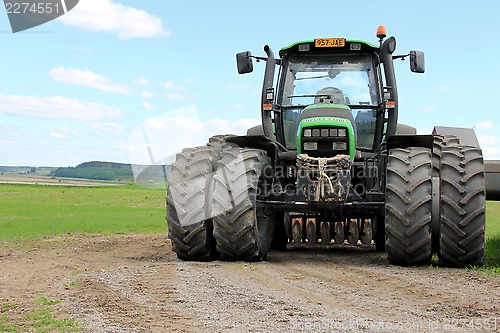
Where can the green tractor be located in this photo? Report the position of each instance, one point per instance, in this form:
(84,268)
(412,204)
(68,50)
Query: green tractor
(330,166)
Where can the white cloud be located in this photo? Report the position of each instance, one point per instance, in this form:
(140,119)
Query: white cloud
(107,128)
(168,85)
(57,135)
(491,153)
(141,81)
(484,125)
(188,80)
(147,94)
(56,107)
(147,106)
(175,93)
(177,96)
(223,126)
(166,135)
(86,78)
(421,131)
(108,16)
(63,132)
(429,109)
(237,106)
(488,140)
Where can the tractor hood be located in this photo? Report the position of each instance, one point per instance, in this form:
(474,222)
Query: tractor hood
(323,130)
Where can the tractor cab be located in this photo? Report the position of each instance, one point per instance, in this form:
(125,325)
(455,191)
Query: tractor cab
(327,79)
(322,82)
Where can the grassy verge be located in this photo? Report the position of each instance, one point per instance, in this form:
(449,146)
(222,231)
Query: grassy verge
(493,218)
(492,255)
(31,211)
(40,320)
(492,244)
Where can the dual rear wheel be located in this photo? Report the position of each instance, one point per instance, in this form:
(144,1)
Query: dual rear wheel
(461,206)
(211,204)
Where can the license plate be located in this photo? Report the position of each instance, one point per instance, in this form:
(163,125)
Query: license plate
(329,42)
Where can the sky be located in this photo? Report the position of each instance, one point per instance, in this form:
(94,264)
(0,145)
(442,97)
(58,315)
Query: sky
(111,78)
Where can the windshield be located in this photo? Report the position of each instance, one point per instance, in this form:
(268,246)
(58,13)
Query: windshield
(337,79)
(353,75)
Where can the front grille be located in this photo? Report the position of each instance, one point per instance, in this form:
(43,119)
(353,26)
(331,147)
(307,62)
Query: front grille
(325,141)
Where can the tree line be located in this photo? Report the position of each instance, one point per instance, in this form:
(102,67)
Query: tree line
(96,170)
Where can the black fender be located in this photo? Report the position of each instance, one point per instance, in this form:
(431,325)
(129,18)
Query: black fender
(258,142)
(406,141)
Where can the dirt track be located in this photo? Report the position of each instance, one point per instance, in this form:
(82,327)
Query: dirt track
(135,284)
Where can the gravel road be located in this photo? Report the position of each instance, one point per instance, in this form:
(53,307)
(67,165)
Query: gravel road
(134,283)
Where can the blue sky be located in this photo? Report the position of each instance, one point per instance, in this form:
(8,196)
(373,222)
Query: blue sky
(100,81)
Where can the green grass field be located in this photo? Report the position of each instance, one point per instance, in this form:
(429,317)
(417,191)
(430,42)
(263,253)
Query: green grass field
(28,211)
(493,218)
(492,246)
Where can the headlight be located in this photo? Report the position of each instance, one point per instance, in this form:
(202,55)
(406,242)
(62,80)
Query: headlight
(340,146)
(342,132)
(308,132)
(310,145)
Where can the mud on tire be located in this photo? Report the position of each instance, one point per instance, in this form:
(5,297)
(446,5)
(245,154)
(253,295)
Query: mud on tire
(462,207)
(188,208)
(408,206)
(241,230)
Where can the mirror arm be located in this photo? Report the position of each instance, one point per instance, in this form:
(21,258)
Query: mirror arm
(278,61)
(402,57)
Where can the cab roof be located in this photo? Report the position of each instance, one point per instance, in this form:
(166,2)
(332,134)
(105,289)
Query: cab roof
(311,45)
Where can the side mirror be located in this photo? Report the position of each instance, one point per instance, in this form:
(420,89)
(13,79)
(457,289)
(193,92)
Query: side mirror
(244,62)
(417,61)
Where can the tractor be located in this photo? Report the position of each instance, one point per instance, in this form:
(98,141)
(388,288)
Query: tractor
(330,166)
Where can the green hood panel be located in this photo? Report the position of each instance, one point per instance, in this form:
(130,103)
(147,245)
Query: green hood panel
(327,121)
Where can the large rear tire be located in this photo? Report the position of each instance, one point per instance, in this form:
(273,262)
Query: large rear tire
(241,229)
(408,206)
(188,212)
(462,207)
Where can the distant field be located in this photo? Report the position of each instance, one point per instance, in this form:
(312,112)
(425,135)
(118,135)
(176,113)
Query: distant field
(37,210)
(19,178)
